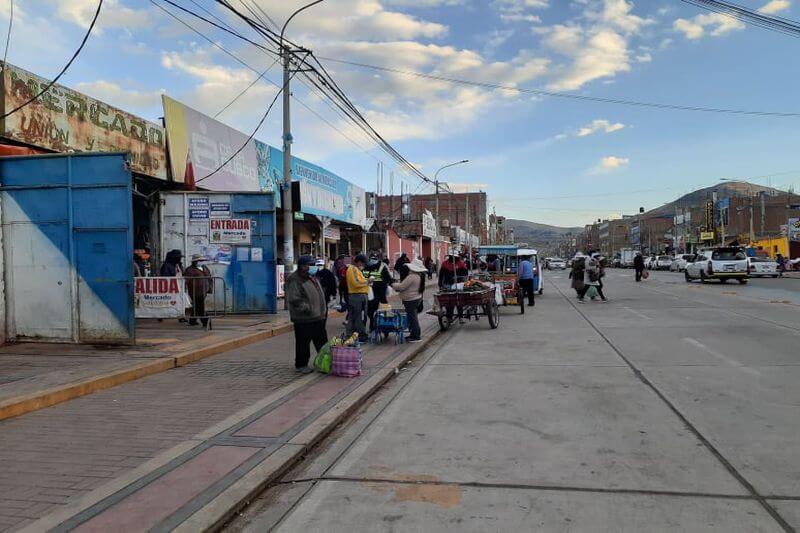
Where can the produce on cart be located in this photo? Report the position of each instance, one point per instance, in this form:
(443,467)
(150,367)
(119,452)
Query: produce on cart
(471,300)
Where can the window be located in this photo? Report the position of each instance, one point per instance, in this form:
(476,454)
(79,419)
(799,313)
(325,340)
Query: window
(728,254)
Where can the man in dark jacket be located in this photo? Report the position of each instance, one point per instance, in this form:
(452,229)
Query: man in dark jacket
(172,264)
(377,271)
(308,311)
(327,279)
(638,265)
(198,284)
(402,260)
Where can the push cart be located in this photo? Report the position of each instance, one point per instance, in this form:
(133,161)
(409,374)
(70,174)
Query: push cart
(387,322)
(468,305)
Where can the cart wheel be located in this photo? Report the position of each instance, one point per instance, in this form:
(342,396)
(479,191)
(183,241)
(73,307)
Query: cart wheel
(445,322)
(493,313)
(521,300)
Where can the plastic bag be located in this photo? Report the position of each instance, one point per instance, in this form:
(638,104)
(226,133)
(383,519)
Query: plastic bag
(592,292)
(370,294)
(324,359)
(389,291)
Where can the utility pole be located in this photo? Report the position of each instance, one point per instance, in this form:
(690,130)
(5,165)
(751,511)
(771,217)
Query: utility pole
(436,196)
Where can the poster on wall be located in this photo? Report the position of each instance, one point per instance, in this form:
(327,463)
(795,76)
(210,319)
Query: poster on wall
(281,280)
(270,175)
(230,231)
(160,297)
(198,208)
(220,210)
(793,229)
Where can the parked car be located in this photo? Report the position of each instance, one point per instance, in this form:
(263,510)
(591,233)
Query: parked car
(722,263)
(556,263)
(762,266)
(679,264)
(662,262)
(649,262)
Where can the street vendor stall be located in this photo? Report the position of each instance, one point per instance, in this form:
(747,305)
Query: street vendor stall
(501,264)
(471,300)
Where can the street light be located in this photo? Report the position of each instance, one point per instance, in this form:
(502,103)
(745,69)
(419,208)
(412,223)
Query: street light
(288,216)
(739,209)
(436,195)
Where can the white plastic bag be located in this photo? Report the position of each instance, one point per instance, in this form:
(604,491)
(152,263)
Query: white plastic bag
(389,291)
(370,294)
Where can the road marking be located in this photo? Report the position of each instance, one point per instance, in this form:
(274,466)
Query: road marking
(637,313)
(744,368)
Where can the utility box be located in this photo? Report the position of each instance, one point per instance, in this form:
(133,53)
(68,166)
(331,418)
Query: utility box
(67,244)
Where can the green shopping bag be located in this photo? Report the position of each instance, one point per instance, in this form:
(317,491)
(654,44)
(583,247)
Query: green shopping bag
(324,359)
(592,292)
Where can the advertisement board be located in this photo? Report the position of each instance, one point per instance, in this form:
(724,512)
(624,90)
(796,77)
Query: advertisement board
(332,233)
(793,229)
(281,279)
(160,297)
(428,225)
(64,120)
(209,143)
(230,231)
(706,235)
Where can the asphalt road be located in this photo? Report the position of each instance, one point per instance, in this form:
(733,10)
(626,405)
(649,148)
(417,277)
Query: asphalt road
(675,407)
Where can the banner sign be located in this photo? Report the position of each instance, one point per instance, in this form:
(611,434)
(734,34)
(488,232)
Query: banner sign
(709,214)
(160,297)
(332,233)
(793,229)
(210,144)
(428,225)
(270,176)
(706,235)
(198,208)
(220,210)
(230,231)
(281,280)
(64,120)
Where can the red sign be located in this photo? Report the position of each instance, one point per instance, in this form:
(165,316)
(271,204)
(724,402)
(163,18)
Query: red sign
(160,297)
(230,230)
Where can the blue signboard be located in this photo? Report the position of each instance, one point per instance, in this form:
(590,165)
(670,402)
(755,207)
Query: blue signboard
(322,193)
(270,170)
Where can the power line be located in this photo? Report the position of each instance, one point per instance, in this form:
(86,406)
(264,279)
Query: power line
(63,70)
(750,16)
(236,98)
(554,94)
(8,35)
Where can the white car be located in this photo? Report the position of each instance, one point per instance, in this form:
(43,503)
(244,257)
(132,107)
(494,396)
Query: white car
(679,264)
(662,262)
(762,266)
(721,263)
(649,262)
(556,263)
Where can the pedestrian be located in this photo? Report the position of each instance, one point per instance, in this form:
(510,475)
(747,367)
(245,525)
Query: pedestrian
(577,273)
(591,279)
(172,265)
(411,290)
(402,260)
(462,270)
(525,277)
(429,267)
(599,266)
(327,279)
(781,264)
(378,273)
(638,266)
(447,273)
(198,286)
(357,298)
(340,269)
(307,311)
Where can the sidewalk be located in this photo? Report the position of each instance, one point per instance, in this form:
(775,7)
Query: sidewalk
(180,445)
(37,375)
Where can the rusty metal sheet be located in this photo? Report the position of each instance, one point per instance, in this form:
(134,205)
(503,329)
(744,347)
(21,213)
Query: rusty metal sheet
(64,120)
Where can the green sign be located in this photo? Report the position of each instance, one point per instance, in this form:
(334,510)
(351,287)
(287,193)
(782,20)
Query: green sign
(299,215)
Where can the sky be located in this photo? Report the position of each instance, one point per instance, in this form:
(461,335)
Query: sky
(551,160)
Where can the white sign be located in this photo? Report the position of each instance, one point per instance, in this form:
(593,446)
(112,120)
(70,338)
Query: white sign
(160,297)
(230,231)
(333,233)
(198,208)
(257,255)
(280,277)
(220,210)
(428,225)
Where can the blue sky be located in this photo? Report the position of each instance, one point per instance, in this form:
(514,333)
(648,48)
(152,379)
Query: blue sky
(539,158)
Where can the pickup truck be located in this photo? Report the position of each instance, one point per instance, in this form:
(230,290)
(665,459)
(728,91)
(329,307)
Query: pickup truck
(721,263)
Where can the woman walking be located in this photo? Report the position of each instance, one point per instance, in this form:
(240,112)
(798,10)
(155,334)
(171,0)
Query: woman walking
(411,290)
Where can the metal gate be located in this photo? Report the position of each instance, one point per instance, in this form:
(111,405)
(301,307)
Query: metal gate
(67,245)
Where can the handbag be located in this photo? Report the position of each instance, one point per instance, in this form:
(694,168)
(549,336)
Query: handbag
(420,306)
(323,360)
(645,274)
(592,292)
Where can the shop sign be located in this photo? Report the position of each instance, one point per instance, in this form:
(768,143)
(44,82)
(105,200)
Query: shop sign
(281,280)
(220,210)
(270,176)
(706,235)
(159,297)
(299,215)
(793,229)
(428,225)
(210,144)
(64,120)
(709,213)
(198,208)
(332,233)
(230,231)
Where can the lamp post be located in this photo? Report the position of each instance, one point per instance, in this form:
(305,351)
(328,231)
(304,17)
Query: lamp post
(288,216)
(436,195)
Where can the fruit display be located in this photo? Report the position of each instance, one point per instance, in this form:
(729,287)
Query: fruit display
(343,340)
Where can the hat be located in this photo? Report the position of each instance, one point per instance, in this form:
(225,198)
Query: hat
(360,258)
(197,257)
(305,260)
(417,266)
(320,262)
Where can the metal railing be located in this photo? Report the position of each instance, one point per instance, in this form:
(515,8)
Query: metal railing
(218,290)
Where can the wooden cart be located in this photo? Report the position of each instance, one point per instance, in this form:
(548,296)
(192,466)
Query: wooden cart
(462,304)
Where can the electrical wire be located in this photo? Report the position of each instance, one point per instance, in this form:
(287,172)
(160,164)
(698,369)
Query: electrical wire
(63,70)
(252,83)
(8,35)
(750,16)
(540,92)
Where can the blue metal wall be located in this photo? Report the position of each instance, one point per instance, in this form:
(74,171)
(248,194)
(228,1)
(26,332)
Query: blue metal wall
(254,283)
(68,241)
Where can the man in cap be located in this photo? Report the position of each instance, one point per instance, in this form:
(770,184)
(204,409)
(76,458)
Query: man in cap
(308,311)
(357,297)
(198,285)
(378,273)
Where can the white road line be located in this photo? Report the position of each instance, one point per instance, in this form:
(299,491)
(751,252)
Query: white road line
(697,344)
(637,313)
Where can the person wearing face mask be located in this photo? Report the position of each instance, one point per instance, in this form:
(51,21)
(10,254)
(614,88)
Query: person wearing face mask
(378,273)
(308,312)
(326,278)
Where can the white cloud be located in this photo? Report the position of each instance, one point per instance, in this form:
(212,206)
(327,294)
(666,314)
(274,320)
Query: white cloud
(114,94)
(717,23)
(112,15)
(600,125)
(610,164)
(775,6)
(519,10)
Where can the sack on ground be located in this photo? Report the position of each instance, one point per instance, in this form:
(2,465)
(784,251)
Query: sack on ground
(645,274)
(324,359)
(592,292)
(346,361)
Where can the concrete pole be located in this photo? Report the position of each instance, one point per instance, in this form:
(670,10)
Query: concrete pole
(288,215)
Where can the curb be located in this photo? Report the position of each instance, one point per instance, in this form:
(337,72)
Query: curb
(20,405)
(221,509)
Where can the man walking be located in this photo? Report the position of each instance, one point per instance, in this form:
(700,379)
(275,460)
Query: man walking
(357,297)
(198,284)
(638,266)
(525,275)
(308,312)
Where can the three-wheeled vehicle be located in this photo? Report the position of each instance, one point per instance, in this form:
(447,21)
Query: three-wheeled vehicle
(501,264)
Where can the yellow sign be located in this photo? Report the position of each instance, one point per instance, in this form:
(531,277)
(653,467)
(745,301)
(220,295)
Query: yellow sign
(706,235)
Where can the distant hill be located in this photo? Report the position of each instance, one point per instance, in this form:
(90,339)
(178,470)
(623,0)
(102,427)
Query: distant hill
(536,234)
(725,189)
